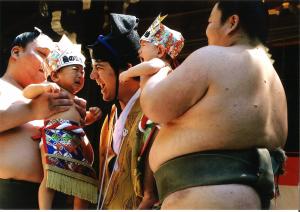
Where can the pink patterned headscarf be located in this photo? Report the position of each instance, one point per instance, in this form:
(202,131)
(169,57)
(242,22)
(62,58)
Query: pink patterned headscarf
(159,34)
(64,54)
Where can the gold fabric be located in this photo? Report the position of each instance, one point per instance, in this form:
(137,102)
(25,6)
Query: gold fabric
(125,189)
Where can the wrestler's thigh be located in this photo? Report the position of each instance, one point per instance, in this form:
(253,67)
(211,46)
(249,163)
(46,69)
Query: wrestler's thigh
(231,196)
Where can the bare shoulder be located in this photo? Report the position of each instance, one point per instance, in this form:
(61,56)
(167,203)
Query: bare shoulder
(211,51)
(7,89)
(230,60)
(9,95)
(207,58)
(217,54)
(3,85)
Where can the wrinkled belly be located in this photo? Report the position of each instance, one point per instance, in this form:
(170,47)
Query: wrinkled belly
(172,143)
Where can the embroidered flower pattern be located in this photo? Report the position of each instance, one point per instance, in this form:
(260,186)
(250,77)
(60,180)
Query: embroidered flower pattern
(63,145)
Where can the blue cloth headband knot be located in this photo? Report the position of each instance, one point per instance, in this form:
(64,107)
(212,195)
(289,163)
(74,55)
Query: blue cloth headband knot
(102,40)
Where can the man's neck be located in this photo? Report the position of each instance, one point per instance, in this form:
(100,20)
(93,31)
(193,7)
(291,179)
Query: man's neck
(243,40)
(10,79)
(125,99)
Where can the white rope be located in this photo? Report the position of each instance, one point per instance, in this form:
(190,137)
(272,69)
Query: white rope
(63,125)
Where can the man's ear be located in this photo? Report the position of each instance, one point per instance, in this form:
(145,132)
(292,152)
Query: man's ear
(161,51)
(15,52)
(232,23)
(54,76)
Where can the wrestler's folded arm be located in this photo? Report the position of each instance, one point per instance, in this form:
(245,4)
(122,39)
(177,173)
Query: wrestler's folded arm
(16,114)
(21,112)
(183,87)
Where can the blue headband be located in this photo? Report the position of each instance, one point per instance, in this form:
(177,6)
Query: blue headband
(102,40)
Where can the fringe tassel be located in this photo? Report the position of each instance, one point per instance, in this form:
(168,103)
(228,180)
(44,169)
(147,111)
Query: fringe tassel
(72,186)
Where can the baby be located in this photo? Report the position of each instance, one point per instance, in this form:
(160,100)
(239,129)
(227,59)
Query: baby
(160,46)
(67,155)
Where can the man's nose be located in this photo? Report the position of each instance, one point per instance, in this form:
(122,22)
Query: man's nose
(93,75)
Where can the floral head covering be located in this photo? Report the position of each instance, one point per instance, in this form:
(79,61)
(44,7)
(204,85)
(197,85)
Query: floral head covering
(64,54)
(159,34)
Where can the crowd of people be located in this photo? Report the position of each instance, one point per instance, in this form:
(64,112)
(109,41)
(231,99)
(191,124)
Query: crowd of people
(196,135)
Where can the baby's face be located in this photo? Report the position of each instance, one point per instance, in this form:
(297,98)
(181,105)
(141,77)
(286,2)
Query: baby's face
(71,78)
(147,51)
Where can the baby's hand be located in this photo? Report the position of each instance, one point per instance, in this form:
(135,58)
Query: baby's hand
(123,77)
(51,87)
(94,114)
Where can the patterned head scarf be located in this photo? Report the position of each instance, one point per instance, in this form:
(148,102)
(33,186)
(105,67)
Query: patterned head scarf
(64,54)
(159,34)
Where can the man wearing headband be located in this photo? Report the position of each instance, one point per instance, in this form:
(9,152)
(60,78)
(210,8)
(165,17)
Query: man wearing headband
(121,146)
(221,104)
(20,166)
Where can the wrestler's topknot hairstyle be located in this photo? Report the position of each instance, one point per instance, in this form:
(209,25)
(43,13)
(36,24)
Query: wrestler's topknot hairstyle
(252,14)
